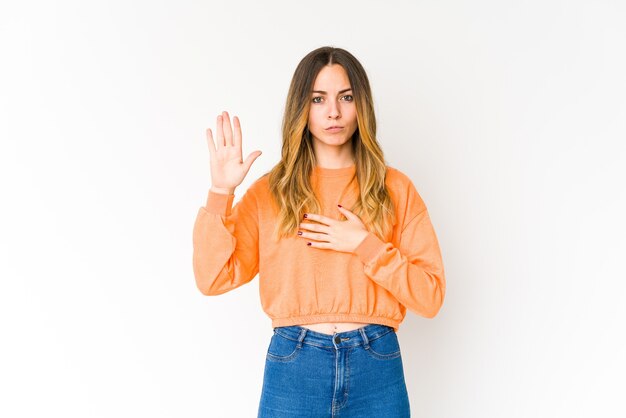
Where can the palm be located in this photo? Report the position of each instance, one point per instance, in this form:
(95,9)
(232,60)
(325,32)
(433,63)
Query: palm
(227,166)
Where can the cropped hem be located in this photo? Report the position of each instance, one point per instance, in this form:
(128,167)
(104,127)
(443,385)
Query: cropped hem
(313,319)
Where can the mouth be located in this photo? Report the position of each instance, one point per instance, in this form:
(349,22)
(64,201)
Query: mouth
(334,129)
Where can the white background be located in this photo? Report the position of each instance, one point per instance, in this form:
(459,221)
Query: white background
(509,117)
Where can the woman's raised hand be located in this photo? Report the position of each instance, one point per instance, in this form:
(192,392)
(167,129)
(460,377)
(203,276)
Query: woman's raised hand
(227,167)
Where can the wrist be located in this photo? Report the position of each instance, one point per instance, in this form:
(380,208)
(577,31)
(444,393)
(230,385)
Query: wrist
(222,190)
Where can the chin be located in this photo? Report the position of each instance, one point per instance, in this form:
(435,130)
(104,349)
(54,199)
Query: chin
(327,139)
(337,141)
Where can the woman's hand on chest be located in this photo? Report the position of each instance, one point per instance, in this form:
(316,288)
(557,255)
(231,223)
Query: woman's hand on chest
(332,234)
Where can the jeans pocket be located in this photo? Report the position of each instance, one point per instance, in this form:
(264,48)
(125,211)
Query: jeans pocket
(385,347)
(283,349)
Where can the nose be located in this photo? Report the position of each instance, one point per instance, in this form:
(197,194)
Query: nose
(333,110)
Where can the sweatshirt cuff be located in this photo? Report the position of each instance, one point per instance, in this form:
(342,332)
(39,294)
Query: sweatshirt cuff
(369,248)
(219,203)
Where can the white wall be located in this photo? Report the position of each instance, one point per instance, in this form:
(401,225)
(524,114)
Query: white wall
(514,114)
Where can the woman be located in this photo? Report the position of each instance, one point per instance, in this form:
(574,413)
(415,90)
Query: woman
(342,243)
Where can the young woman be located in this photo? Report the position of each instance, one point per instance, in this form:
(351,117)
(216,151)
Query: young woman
(342,244)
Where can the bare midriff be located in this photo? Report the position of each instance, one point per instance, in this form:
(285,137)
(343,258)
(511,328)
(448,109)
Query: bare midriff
(333,327)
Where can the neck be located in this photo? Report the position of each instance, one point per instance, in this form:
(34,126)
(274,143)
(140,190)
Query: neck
(333,156)
(337,162)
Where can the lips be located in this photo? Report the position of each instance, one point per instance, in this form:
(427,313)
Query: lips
(334,128)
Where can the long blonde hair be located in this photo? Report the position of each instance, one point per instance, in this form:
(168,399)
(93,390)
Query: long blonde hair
(290,179)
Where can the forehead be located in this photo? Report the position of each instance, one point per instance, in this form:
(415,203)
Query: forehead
(332,77)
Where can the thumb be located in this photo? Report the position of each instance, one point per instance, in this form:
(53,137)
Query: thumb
(250,159)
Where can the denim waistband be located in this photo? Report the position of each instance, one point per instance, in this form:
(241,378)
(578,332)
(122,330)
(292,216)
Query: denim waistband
(360,336)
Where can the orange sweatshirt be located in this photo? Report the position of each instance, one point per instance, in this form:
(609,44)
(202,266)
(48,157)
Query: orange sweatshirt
(299,284)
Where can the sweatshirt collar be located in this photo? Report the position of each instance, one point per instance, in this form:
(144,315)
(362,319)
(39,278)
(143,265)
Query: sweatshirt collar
(334,172)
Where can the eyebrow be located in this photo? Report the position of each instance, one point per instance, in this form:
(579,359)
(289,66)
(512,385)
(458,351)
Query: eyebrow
(323,92)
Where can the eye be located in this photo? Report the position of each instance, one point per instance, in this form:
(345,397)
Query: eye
(315,99)
(348,97)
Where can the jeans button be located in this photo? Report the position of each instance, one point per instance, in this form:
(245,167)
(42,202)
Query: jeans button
(337,339)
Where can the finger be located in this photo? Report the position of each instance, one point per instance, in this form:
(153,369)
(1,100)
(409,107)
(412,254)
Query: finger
(220,132)
(209,140)
(349,214)
(309,226)
(346,212)
(320,245)
(319,218)
(315,227)
(237,136)
(315,236)
(228,131)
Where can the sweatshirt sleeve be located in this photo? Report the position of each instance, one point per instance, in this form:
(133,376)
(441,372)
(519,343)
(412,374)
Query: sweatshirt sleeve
(225,243)
(414,272)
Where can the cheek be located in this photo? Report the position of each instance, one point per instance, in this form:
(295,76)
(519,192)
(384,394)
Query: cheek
(352,115)
(314,118)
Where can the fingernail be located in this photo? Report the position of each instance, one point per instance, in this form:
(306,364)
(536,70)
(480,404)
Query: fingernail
(299,232)
(308,243)
(340,206)
(305,215)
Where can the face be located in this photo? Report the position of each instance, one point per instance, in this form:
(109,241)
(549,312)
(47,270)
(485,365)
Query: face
(332,116)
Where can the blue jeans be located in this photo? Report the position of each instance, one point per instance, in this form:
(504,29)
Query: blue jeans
(356,373)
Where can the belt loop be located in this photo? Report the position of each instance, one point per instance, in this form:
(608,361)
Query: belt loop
(301,337)
(366,342)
